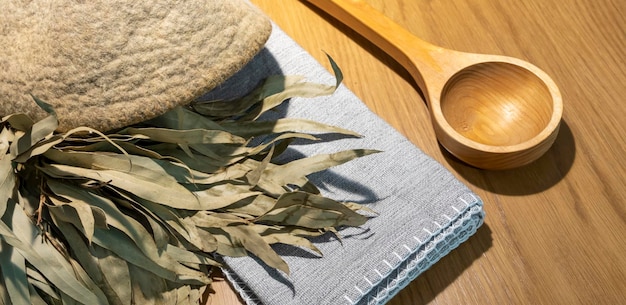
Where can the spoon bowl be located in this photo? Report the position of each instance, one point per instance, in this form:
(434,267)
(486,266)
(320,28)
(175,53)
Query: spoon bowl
(490,111)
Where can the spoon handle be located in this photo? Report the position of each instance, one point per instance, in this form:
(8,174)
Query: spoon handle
(412,53)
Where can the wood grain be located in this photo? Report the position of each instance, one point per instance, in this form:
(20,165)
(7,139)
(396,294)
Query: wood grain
(490,111)
(555,229)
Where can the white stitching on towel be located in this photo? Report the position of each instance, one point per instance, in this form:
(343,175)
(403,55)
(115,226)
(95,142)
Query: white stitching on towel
(380,274)
(387,263)
(359,289)
(384,287)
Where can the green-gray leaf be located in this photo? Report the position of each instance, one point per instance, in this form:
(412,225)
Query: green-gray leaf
(37,131)
(257,128)
(13,269)
(162,189)
(45,257)
(284,174)
(7,183)
(190,136)
(253,242)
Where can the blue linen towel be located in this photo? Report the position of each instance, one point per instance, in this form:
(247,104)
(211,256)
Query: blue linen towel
(425,212)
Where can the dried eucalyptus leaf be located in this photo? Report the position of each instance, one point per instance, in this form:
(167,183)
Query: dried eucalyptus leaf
(311,211)
(8,183)
(284,174)
(255,206)
(225,246)
(67,300)
(305,89)
(79,203)
(177,224)
(297,89)
(222,195)
(316,201)
(149,289)
(274,235)
(267,185)
(89,262)
(4,294)
(185,256)
(136,150)
(37,132)
(24,236)
(304,216)
(181,118)
(158,227)
(38,148)
(6,137)
(115,272)
(36,279)
(69,214)
(233,172)
(19,121)
(254,243)
(13,270)
(162,189)
(35,298)
(194,161)
(303,232)
(359,207)
(44,106)
(336,70)
(232,108)
(214,220)
(159,233)
(203,240)
(115,218)
(189,295)
(189,136)
(213,152)
(161,265)
(53,140)
(309,187)
(289,239)
(237,153)
(139,165)
(255,175)
(258,128)
(82,275)
(101,137)
(103,146)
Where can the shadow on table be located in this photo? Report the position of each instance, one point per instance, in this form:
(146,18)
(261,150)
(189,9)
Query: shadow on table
(433,281)
(533,178)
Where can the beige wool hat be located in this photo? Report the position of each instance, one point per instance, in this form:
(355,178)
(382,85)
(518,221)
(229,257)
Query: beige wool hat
(107,64)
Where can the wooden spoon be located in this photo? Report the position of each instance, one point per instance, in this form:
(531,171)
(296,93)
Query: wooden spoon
(490,111)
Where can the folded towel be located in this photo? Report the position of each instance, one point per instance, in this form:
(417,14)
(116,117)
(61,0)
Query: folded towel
(425,212)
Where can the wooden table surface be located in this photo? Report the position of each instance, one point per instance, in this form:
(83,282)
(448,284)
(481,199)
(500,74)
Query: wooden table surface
(555,230)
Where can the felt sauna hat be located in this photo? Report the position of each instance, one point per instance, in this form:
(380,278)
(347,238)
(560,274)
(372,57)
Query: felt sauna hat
(107,64)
